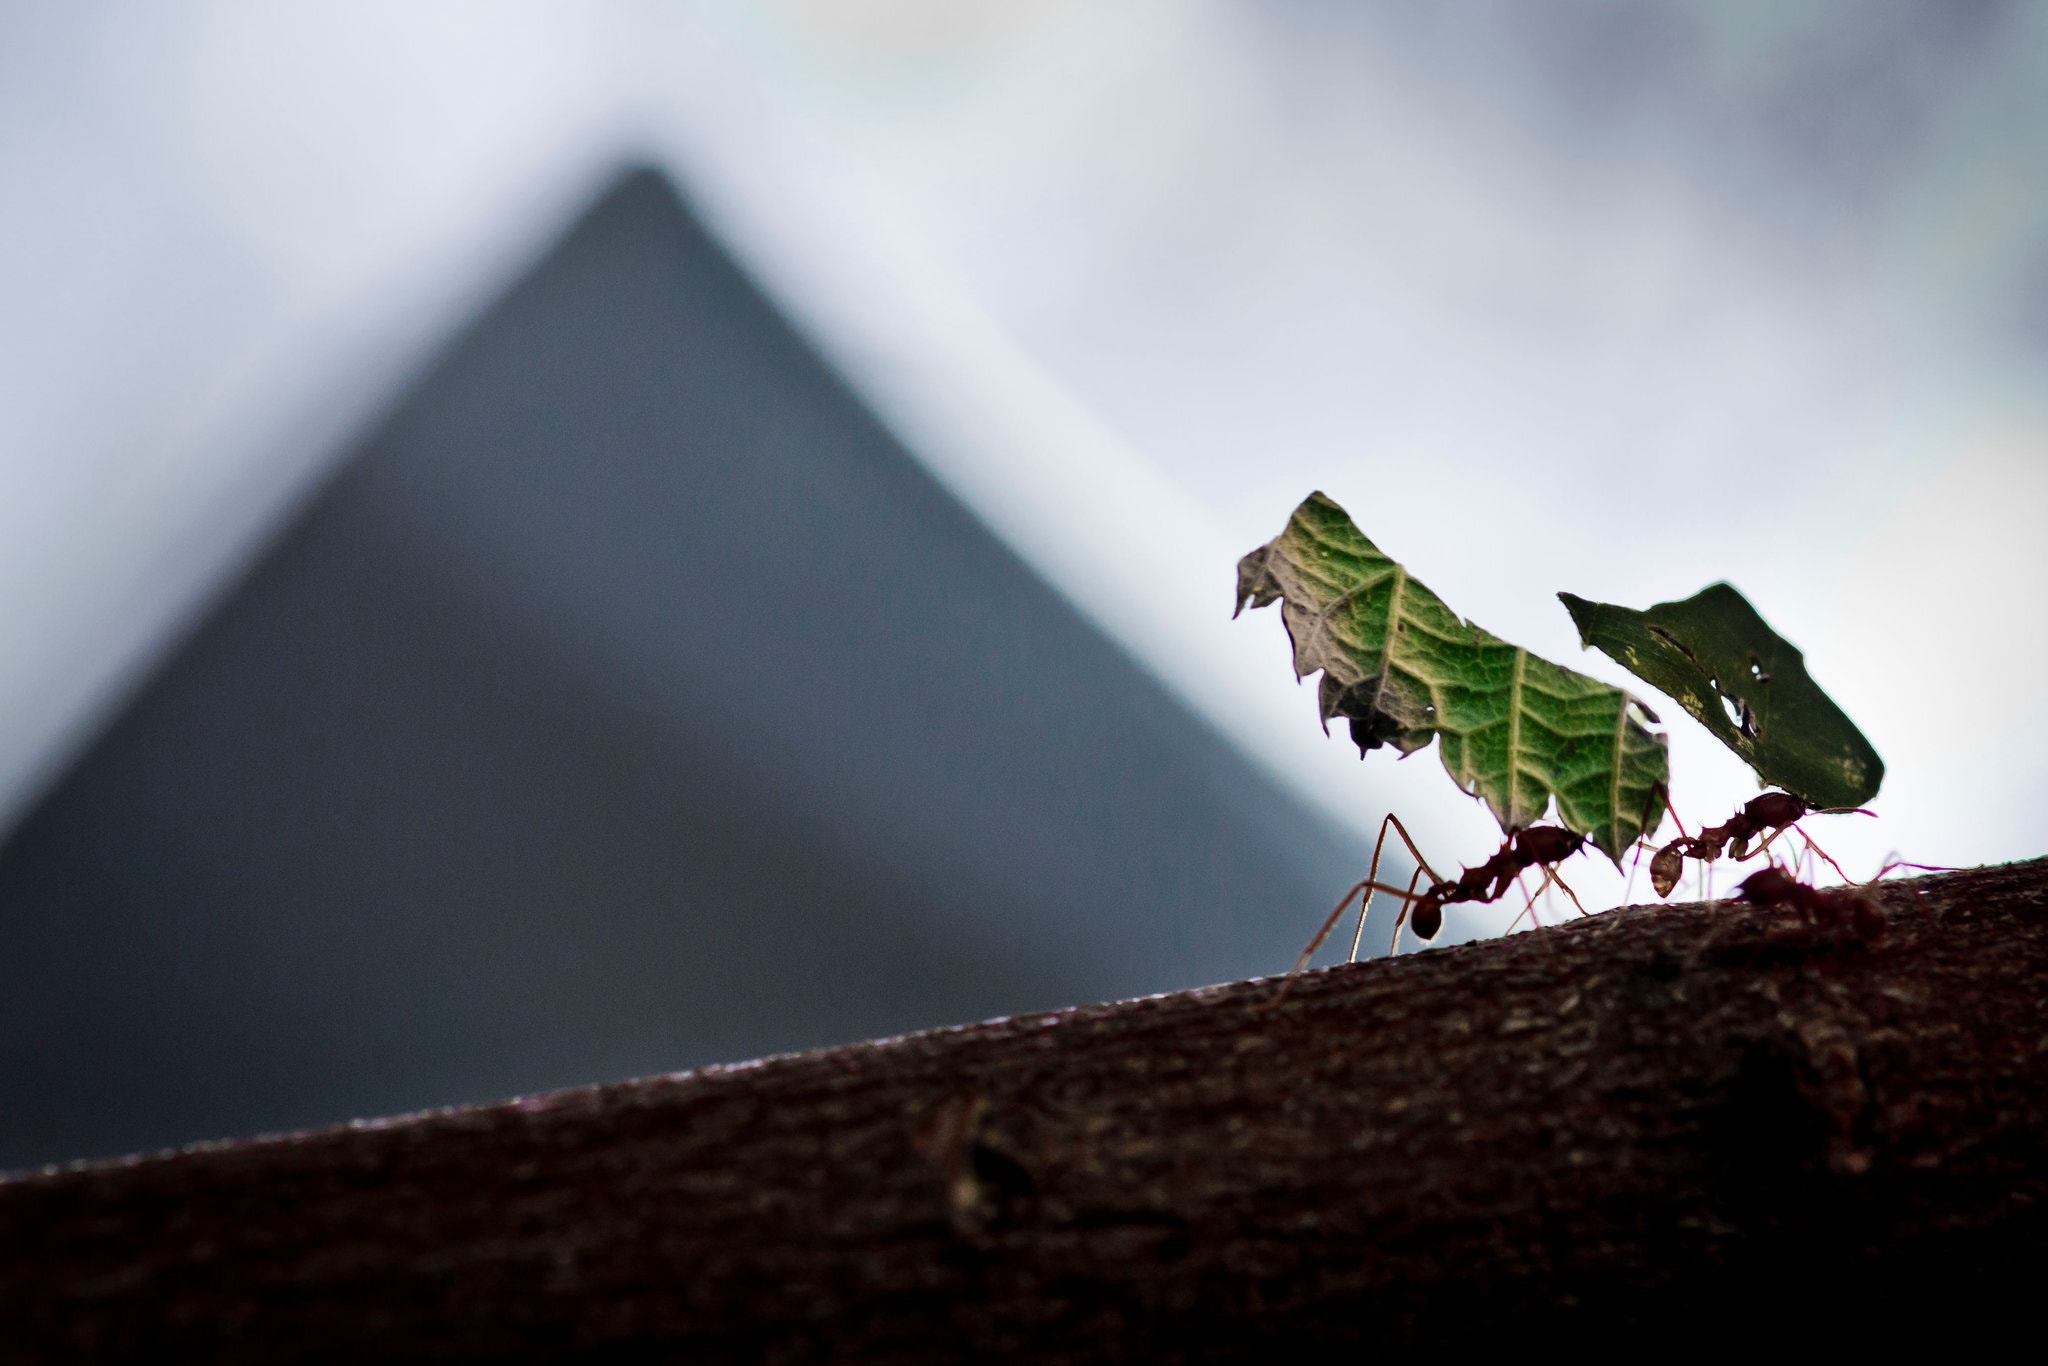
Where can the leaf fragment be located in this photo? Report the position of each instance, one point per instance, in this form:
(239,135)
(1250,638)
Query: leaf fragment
(1715,656)
(1515,730)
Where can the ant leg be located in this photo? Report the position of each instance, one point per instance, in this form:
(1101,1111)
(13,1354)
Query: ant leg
(1370,885)
(1821,854)
(1528,907)
(1892,863)
(1760,849)
(1402,831)
(1359,933)
(1901,863)
(1329,923)
(1371,875)
(1552,874)
(1408,897)
(1408,900)
(1771,839)
(1629,889)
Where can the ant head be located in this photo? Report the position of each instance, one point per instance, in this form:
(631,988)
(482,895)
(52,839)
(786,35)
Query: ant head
(1428,919)
(1666,865)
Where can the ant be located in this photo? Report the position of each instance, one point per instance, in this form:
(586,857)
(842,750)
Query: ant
(1774,812)
(1536,846)
(1830,907)
(1545,846)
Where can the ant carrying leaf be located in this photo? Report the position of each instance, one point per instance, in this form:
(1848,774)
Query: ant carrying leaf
(1539,846)
(1513,730)
(1716,657)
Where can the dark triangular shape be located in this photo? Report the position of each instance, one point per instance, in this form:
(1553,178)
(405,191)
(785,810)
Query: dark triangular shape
(630,700)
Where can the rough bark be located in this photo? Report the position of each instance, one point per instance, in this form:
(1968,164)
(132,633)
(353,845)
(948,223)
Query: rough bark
(1679,1127)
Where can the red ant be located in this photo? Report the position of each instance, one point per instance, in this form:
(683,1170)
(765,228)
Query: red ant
(1773,812)
(1830,907)
(1537,846)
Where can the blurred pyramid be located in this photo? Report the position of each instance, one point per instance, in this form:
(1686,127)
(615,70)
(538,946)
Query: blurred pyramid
(629,700)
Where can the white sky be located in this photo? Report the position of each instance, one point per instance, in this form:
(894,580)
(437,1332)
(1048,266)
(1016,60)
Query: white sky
(1566,294)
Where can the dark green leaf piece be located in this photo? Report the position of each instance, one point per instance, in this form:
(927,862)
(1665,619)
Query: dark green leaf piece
(1713,655)
(1403,668)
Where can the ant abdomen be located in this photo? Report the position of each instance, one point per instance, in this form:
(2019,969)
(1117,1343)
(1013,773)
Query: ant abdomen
(1428,919)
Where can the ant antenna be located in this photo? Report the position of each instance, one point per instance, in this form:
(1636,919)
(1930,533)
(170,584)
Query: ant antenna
(1674,814)
(1407,900)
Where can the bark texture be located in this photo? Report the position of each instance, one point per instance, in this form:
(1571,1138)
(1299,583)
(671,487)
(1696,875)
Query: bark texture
(1681,1128)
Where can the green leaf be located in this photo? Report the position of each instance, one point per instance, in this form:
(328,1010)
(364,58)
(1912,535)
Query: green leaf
(1403,668)
(1713,655)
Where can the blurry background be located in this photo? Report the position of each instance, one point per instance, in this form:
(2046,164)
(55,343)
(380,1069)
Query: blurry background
(545,542)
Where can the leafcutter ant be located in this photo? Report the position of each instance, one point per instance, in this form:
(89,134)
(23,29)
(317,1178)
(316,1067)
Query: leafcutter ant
(1773,812)
(1536,846)
(1823,907)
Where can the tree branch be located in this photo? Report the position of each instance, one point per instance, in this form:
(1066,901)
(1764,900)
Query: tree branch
(1696,1120)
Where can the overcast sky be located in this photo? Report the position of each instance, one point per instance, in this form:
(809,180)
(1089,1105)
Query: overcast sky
(1552,294)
